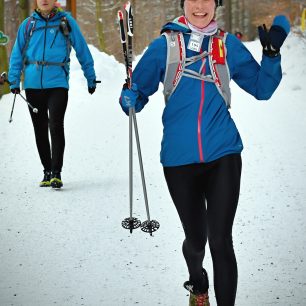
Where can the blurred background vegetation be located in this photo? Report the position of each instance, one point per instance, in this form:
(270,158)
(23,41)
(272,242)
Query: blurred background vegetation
(98,20)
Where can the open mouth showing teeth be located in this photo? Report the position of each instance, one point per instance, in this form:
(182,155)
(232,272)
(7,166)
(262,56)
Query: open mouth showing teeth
(200,14)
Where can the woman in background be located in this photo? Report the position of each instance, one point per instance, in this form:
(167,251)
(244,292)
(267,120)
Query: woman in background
(42,51)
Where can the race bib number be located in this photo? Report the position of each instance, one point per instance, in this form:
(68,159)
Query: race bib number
(195,42)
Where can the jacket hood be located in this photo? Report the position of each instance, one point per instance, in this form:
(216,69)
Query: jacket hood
(178,24)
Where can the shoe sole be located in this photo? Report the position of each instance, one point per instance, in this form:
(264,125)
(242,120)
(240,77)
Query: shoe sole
(44,184)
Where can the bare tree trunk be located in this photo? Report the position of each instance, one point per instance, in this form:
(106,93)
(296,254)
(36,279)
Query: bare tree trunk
(3,50)
(178,10)
(11,22)
(229,15)
(240,16)
(235,16)
(111,40)
(87,17)
(23,9)
(100,28)
(252,28)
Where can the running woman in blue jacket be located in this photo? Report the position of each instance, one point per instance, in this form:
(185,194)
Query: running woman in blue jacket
(42,51)
(201,145)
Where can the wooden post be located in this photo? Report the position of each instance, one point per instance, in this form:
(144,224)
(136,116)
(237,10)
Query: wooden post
(73,8)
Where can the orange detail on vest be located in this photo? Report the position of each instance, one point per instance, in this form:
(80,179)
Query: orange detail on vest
(218,52)
(221,48)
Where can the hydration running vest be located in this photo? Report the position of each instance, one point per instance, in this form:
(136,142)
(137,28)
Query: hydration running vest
(63,27)
(177,64)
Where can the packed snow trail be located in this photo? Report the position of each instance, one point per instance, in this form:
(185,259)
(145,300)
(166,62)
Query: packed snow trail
(67,247)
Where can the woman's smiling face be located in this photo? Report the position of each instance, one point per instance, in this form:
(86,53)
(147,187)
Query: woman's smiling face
(200,12)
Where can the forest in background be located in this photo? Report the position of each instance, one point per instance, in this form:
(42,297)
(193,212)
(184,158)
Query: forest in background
(98,20)
(236,15)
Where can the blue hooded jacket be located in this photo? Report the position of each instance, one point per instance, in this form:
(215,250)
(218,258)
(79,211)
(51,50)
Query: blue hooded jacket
(49,45)
(198,127)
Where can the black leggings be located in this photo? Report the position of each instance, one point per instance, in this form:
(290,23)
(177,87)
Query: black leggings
(206,197)
(51,104)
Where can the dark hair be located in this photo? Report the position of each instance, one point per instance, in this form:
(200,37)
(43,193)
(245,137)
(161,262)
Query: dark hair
(218,3)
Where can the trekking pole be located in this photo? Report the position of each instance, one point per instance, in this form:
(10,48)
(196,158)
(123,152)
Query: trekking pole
(130,222)
(11,116)
(148,226)
(34,109)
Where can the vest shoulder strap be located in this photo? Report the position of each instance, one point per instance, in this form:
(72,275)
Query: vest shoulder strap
(218,65)
(175,64)
(29,29)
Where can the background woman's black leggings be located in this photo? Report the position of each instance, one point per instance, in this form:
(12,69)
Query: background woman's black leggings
(51,104)
(206,197)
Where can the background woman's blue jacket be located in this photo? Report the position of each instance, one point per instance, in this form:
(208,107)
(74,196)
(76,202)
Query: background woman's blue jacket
(48,44)
(197,124)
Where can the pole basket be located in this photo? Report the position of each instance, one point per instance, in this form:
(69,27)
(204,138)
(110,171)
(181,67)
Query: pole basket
(131,223)
(150,226)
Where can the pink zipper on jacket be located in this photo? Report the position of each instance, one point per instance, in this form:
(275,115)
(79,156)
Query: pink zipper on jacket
(200,118)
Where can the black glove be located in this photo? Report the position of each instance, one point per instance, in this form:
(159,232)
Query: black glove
(15,91)
(273,39)
(91,90)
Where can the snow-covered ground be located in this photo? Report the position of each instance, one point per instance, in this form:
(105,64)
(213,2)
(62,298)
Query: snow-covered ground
(67,247)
